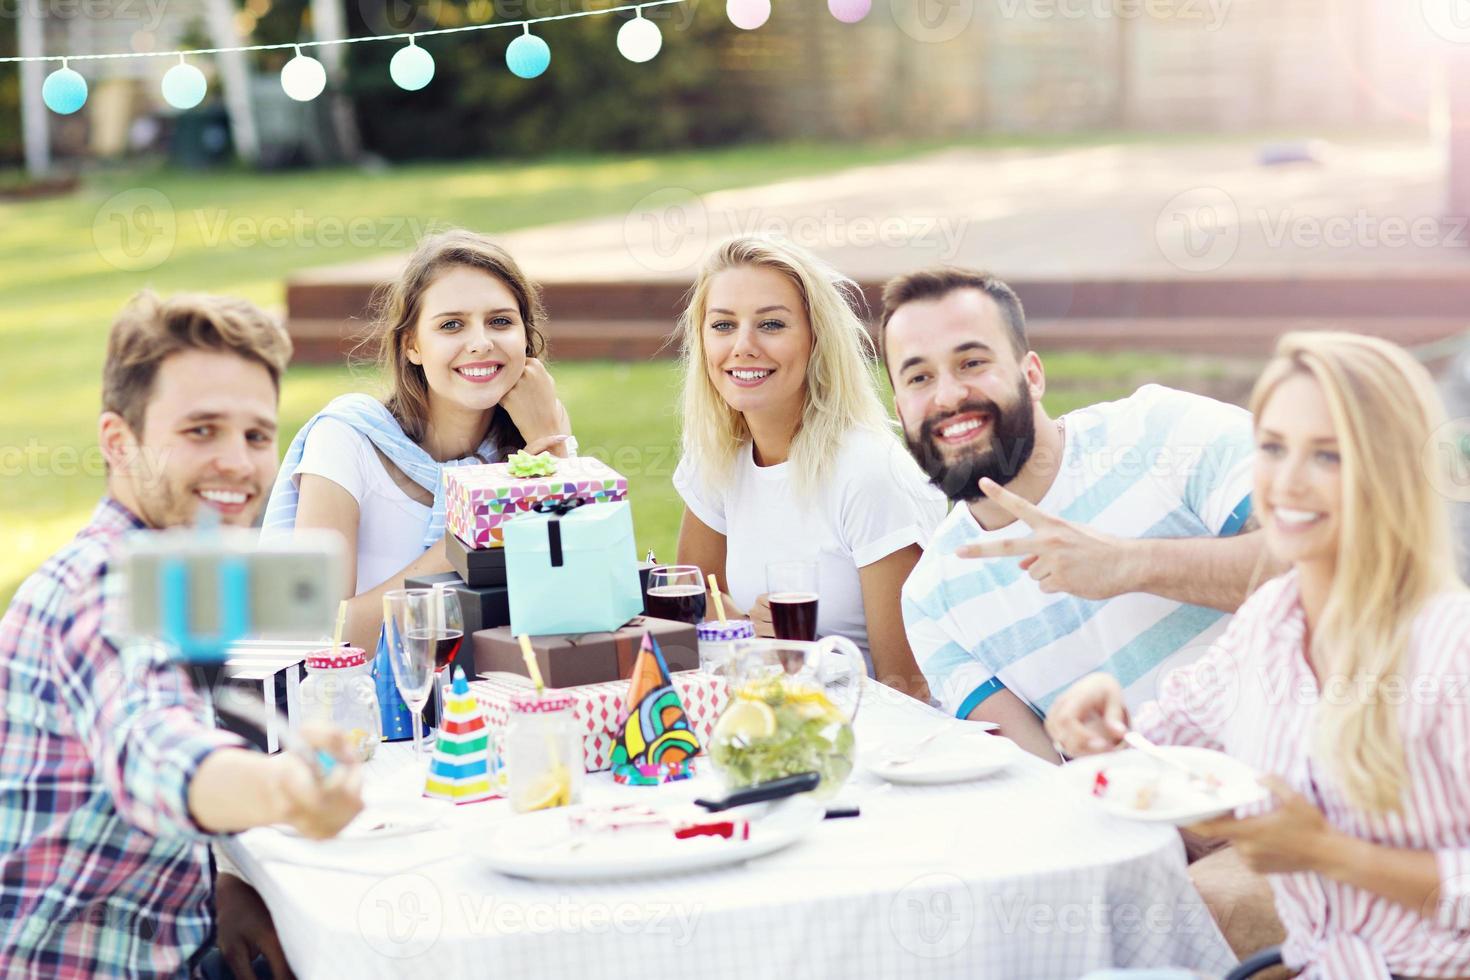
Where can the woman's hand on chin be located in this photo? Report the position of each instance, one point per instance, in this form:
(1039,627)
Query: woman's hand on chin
(533,406)
(556,445)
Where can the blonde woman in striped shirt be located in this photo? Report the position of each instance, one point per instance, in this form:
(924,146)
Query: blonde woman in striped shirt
(1345,681)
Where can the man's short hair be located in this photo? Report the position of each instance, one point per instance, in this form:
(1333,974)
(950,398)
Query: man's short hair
(939,282)
(149,330)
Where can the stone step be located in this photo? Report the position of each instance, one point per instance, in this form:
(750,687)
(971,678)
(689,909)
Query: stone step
(325,340)
(1381,295)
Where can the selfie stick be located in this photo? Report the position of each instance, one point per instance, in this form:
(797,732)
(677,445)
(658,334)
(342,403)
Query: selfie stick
(205,652)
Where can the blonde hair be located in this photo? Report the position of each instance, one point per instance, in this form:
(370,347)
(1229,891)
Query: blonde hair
(149,330)
(1394,547)
(840,391)
(397,307)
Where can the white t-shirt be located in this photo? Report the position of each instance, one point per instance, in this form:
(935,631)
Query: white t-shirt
(1158,464)
(875,501)
(390,525)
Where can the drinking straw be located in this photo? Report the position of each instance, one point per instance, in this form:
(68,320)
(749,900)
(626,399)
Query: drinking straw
(529,656)
(341,625)
(714,588)
(558,771)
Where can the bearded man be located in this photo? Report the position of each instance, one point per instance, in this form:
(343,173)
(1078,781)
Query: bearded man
(1115,538)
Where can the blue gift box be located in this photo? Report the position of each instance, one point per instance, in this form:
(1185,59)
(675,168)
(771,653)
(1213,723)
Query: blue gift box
(572,570)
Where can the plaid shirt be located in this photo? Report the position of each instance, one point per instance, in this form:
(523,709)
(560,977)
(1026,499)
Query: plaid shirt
(102,868)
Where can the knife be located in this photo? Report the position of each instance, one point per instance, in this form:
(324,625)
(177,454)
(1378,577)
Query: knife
(775,789)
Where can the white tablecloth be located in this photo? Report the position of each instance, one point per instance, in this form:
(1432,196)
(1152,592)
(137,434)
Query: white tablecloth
(1010,876)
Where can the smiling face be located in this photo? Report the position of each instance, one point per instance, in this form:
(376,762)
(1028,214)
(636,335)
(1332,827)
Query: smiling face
(757,341)
(966,403)
(1298,473)
(470,339)
(208,439)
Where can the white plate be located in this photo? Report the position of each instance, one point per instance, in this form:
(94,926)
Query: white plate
(379,821)
(1177,803)
(954,760)
(540,845)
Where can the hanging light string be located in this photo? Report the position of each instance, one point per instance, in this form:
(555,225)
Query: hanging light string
(303,78)
(406,35)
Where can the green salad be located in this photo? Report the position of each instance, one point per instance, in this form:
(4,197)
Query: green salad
(774,728)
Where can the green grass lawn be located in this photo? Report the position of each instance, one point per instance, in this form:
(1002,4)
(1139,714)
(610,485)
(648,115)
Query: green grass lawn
(62,282)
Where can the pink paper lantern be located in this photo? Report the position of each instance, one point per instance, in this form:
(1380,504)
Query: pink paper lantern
(849,11)
(748,14)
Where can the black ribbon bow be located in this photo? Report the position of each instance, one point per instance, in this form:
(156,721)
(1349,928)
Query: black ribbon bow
(557,509)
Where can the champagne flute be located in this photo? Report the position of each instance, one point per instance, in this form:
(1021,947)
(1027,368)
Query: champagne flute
(411,646)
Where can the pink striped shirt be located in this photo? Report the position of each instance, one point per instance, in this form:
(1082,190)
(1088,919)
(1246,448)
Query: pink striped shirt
(1254,697)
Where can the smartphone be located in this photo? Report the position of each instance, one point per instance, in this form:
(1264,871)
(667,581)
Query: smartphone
(204,590)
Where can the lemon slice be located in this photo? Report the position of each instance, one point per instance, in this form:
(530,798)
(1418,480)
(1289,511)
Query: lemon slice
(552,789)
(746,720)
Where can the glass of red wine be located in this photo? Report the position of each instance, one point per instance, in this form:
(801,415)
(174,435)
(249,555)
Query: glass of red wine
(791,588)
(676,592)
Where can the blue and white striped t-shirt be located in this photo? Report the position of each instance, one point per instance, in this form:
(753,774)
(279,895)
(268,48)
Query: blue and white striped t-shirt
(1160,464)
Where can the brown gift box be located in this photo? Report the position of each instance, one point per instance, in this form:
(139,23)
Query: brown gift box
(572,659)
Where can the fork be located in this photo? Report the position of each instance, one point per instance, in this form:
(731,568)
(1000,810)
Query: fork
(906,755)
(1139,741)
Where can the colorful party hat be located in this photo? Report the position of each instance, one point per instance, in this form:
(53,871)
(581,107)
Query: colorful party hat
(460,769)
(393,710)
(657,743)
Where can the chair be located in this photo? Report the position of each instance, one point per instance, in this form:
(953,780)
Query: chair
(1255,963)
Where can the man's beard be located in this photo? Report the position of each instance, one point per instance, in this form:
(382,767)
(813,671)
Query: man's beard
(1012,439)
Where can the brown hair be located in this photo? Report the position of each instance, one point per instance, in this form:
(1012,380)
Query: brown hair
(399,304)
(149,330)
(938,283)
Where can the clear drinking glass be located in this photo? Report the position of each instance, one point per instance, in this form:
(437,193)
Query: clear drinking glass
(791,588)
(676,592)
(413,642)
(442,620)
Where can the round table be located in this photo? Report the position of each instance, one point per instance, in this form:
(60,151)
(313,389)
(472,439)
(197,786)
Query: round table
(1008,876)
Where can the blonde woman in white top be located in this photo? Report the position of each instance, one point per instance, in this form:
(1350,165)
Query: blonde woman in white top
(789,454)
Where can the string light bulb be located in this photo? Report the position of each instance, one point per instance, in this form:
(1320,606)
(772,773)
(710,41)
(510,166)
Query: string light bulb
(184,85)
(528,56)
(412,67)
(303,78)
(639,39)
(64,91)
(748,14)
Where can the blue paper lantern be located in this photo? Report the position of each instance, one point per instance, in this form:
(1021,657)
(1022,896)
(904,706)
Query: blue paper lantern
(527,56)
(64,91)
(184,86)
(412,67)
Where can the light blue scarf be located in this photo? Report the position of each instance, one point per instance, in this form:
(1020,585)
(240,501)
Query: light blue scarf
(372,419)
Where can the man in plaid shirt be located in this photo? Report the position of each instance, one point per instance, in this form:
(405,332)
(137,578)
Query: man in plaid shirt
(112,778)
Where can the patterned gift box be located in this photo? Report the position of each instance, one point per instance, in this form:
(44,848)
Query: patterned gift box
(601,708)
(481,500)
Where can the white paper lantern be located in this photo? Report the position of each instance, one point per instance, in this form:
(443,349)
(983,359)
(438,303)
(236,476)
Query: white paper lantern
(639,39)
(412,67)
(184,85)
(748,14)
(303,78)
